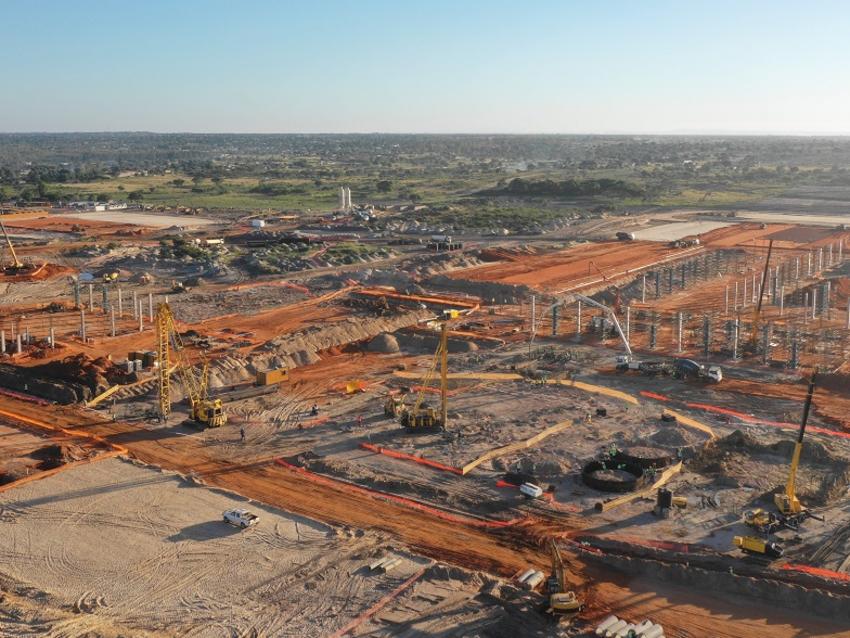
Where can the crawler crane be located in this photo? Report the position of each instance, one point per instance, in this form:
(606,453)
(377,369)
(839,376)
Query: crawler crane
(204,411)
(15,266)
(420,416)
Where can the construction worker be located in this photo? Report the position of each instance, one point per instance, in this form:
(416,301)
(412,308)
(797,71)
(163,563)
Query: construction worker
(359,421)
(314,411)
(242,434)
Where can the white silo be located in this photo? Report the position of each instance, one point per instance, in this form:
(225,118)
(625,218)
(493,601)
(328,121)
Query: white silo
(341,198)
(347,198)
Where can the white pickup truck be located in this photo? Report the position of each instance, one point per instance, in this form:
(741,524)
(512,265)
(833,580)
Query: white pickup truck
(240,518)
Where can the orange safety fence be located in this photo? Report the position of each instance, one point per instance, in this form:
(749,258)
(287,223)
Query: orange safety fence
(406,502)
(86,435)
(378,606)
(23,397)
(377,449)
(61,468)
(747,418)
(817,571)
(653,395)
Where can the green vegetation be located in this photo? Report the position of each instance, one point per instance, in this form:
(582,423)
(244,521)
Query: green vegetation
(474,181)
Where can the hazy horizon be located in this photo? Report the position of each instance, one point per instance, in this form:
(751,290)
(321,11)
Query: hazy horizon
(496,67)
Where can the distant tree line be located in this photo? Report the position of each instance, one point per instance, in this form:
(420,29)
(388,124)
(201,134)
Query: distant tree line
(520,187)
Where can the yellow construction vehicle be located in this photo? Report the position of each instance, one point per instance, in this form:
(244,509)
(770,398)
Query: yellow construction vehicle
(204,411)
(759,546)
(763,521)
(787,502)
(420,416)
(394,406)
(15,265)
(562,602)
(110,277)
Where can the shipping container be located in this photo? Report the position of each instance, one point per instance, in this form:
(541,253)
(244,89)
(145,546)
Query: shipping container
(271,377)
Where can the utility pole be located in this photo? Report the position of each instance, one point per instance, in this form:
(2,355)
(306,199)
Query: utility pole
(679,331)
(578,320)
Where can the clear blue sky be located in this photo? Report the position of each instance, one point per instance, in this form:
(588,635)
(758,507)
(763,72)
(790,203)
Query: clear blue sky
(559,66)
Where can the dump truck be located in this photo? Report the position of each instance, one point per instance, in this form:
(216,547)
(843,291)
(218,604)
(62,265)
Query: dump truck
(758,546)
(624,236)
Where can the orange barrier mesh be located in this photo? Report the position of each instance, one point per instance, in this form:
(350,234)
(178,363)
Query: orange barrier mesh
(817,571)
(377,449)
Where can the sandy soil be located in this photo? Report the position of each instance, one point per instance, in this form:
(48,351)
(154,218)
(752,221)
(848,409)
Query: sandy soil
(677,230)
(143,549)
(144,219)
(77,223)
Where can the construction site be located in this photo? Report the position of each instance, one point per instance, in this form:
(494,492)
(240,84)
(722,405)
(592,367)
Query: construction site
(636,426)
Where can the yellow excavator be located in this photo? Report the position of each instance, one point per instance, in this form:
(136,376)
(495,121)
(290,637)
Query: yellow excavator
(787,502)
(562,602)
(15,265)
(204,411)
(420,416)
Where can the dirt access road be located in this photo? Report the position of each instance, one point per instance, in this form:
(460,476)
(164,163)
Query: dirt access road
(467,543)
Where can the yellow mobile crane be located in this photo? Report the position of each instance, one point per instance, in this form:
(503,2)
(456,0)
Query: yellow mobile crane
(203,410)
(421,417)
(562,602)
(16,263)
(787,502)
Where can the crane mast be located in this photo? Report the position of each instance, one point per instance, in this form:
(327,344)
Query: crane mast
(172,356)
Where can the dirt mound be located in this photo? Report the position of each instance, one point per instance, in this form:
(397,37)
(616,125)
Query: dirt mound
(384,343)
(674,437)
(741,459)
(74,378)
(58,454)
(95,374)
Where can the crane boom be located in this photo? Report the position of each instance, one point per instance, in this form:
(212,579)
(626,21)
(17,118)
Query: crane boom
(757,309)
(787,501)
(16,264)
(611,315)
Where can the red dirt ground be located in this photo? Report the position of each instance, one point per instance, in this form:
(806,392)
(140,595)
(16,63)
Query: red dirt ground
(573,268)
(59,224)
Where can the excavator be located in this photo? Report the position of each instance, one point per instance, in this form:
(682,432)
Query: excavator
(787,502)
(421,417)
(15,266)
(204,411)
(562,602)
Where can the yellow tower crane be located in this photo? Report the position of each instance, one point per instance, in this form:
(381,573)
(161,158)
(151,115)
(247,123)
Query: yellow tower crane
(203,410)
(787,502)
